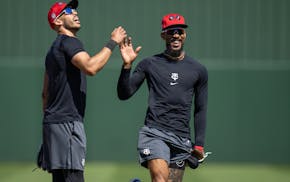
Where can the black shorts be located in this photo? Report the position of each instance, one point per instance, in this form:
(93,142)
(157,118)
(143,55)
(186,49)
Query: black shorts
(64,146)
(61,175)
(157,144)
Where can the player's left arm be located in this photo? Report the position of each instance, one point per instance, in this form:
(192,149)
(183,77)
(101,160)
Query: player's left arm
(200,102)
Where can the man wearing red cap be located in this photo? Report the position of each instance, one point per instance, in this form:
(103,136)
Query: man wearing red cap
(173,80)
(64,93)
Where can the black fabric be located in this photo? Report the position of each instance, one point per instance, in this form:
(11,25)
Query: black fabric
(172,86)
(39,159)
(73,4)
(67,84)
(111,45)
(61,175)
(192,162)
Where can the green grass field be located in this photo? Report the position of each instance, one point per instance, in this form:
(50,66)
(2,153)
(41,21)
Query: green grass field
(123,172)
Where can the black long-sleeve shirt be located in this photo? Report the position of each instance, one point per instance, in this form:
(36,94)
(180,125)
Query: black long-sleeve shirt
(172,86)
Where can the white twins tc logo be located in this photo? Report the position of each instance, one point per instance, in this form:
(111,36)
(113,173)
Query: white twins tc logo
(146,151)
(174,76)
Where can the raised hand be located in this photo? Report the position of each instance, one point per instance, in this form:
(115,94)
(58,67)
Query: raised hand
(118,34)
(128,53)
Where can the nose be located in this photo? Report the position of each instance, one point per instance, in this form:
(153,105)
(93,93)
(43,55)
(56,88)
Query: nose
(176,35)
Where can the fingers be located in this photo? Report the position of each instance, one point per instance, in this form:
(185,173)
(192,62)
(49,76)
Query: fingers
(118,34)
(138,49)
(127,41)
(123,43)
(122,31)
(198,154)
(123,40)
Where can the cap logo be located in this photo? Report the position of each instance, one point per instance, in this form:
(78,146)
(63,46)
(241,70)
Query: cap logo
(176,17)
(60,3)
(53,15)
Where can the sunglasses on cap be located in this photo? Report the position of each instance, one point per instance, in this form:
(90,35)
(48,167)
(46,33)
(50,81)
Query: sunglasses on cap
(67,11)
(173,31)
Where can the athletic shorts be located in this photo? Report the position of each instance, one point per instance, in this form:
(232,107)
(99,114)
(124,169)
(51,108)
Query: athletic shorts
(64,146)
(157,144)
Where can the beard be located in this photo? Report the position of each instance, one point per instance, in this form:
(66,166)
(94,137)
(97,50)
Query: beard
(73,28)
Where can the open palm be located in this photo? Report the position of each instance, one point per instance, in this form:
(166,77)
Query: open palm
(127,51)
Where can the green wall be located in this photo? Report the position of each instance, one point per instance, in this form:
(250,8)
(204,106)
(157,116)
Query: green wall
(244,44)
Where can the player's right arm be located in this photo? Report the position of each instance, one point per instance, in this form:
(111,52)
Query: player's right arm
(92,65)
(127,84)
(44,92)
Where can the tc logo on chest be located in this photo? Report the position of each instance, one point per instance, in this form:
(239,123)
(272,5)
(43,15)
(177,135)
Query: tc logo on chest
(174,77)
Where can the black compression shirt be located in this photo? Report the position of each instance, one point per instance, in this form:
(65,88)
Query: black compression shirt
(172,86)
(67,84)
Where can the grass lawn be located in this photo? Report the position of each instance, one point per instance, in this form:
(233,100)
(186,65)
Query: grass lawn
(123,172)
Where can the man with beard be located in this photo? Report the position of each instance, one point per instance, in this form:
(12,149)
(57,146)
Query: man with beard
(173,79)
(64,94)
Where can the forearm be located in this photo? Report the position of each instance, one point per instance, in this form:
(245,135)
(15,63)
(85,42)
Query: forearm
(123,87)
(200,114)
(98,61)
(128,84)
(200,127)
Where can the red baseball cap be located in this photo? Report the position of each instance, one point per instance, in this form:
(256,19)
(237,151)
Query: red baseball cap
(57,8)
(173,20)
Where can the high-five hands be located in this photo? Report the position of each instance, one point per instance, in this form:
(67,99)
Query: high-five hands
(128,53)
(118,34)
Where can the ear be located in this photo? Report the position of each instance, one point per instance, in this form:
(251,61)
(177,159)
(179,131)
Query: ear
(58,22)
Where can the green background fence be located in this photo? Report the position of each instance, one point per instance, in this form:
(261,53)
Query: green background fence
(244,44)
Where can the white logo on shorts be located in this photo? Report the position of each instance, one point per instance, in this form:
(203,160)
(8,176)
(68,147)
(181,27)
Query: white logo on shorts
(180,163)
(146,151)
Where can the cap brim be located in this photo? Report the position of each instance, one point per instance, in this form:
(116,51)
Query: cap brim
(73,4)
(176,25)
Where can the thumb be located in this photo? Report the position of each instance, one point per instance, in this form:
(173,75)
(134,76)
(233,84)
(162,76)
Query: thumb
(137,50)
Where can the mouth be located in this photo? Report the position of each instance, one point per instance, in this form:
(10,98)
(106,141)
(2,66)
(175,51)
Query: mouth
(175,43)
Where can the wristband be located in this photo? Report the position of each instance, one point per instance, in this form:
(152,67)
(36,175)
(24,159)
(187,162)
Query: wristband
(111,45)
(200,148)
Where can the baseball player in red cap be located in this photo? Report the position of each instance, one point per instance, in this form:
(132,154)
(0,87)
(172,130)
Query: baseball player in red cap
(64,93)
(174,80)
